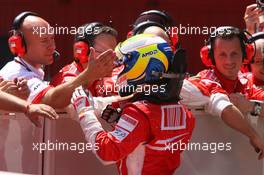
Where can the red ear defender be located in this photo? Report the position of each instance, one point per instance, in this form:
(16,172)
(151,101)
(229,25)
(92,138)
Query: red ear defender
(250,51)
(16,45)
(81,50)
(204,54)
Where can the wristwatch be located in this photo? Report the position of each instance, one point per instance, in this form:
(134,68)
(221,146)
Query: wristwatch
(257,109)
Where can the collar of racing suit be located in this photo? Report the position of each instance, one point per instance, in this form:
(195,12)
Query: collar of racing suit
(230,86)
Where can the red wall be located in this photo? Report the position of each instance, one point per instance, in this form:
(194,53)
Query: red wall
(123,13)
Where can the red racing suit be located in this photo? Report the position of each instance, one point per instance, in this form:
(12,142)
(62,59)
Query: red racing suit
(147,139)
(102,87)
(210,90)
(211,81)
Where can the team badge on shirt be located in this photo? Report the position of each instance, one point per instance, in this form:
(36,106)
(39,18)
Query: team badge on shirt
(173,117)
(125,125)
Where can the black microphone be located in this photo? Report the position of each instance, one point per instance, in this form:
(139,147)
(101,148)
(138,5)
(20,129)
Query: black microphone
(56,55)
(255,37)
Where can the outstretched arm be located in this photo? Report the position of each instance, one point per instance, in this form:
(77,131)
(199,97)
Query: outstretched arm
(247,106)
(110,146)
(101,66)
(32,111)
(234,118)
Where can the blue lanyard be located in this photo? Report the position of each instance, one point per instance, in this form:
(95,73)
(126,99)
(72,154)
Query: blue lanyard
(23,64)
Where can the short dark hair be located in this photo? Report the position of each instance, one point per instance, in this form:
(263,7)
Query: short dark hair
(88,33)
(107,30)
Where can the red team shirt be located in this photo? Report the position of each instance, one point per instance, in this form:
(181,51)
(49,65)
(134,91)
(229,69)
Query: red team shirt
(209,91)
(102,87)
(211,81)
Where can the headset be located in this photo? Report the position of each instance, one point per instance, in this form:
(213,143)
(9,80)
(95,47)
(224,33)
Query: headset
(84,39)
(159,19)
(16,41)
(207,54)
(157,16)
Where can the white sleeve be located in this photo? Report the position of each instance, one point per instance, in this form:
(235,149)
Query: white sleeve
(91,127)
(218,102)
(35,86)
(192,97)
(85,111)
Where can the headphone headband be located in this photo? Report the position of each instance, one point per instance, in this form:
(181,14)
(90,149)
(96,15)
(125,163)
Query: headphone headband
(225,31)
(154,15)
(145,24)
(20,18)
